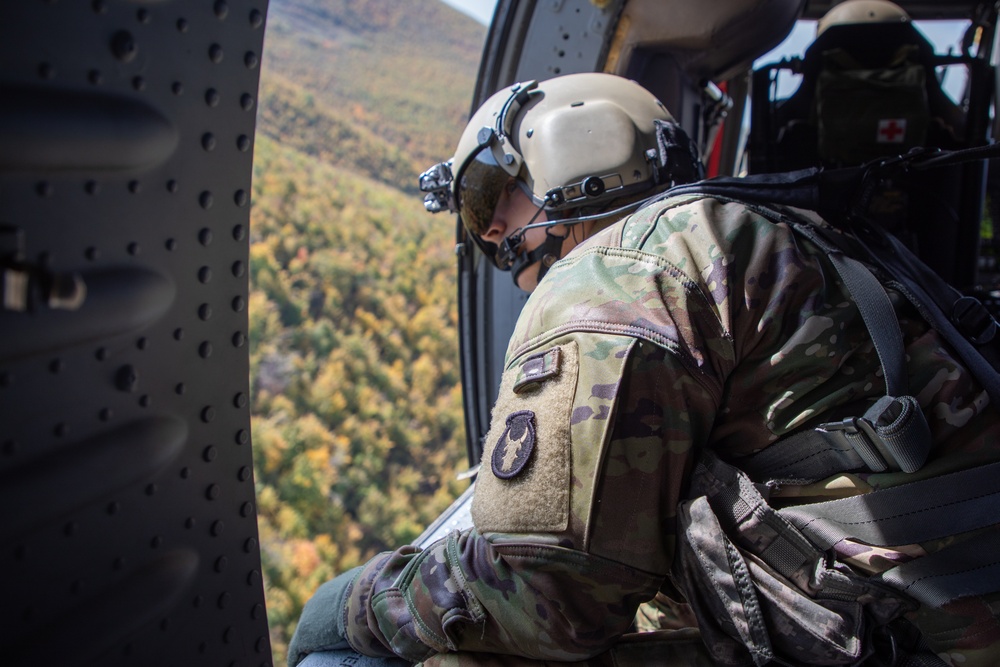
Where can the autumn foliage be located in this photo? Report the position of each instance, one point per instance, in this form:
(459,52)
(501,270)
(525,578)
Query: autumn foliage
(356,403)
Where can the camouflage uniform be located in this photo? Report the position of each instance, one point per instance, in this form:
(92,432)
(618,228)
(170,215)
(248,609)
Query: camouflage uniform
(693,324)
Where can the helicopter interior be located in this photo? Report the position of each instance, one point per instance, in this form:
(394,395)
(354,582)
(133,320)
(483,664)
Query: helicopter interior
(128,509)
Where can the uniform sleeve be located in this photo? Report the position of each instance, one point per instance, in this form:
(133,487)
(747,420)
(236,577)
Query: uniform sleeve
(573,513)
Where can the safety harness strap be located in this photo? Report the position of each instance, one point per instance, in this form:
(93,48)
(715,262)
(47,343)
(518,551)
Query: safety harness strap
(919,511)
(971,567)
(794,540)
(891,435)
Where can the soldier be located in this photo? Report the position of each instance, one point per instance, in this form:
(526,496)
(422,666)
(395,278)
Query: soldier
(698,404)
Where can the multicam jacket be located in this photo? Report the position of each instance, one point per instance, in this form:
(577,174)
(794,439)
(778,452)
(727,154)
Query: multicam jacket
(692,326)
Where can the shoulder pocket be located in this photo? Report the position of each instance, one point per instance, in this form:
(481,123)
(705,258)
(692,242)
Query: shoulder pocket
(523,483)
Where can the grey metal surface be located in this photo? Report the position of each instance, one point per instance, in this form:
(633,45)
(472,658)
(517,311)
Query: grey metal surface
(127,519)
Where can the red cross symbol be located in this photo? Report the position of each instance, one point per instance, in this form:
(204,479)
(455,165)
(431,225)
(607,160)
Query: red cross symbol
(891,131)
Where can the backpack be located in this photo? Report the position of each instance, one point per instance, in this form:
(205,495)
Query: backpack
(761,579)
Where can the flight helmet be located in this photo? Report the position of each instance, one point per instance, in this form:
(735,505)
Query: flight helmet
(578,145)
(862,11)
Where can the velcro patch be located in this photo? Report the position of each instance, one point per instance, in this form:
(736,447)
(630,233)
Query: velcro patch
(524,482)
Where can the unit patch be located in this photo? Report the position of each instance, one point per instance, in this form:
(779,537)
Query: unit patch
(515,445)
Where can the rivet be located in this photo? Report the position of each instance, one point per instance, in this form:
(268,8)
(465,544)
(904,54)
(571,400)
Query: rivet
(205,350)
(180,389)
(239,232)
(156,542)
(246,509)
(253,577)
(205,236)
(56,366)
(256,18)
(250,59)
(260,645)
(151,489)
(238,269)
(95,77)
(246,101)
(132,248)
(257,611)
(138,83)
(123,46)
(178,333)
(177,88)
(208,141)
(127,378)
(215,53)
(217,528)
(240,400)
(142,343)
(239,303)
(105,414)
(100,7)
(204,312)
(185,472)
(242,437)
(60,429)
(190,522)
(182,25)
(207,414)
(240,197)
(44,189)
(224,600)
(243,143)
(239,339)
(170,245)
(46,71)
(212,492)
(91,187)
(206,200)
(209,453)
(143,16)
(172,186)
(244,474)
(113,508)
(144,401)
(101,353)
(221,563)
(221,9)
(250,545)
(212,97)
(134,187)
(204,274)
(227,635)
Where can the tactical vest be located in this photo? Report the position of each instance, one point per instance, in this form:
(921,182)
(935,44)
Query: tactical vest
(762,579)
(864,113)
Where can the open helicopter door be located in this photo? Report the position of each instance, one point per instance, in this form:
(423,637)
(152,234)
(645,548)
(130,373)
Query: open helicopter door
(675,48)
(128,533)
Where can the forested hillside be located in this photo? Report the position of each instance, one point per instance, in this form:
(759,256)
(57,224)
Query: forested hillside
(356,409)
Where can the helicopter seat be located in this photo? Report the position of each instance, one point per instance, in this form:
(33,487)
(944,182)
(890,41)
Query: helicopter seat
(868,90)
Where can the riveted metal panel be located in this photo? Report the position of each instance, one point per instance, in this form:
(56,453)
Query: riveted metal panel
(128,529)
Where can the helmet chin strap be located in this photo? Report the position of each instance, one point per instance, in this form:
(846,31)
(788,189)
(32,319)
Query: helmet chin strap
(545,254)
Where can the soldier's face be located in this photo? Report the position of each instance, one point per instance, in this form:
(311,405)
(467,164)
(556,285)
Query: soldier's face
(513,211)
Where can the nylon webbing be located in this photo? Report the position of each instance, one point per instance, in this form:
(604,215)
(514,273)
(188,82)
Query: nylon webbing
(920,511)
(893,434)
(971,567)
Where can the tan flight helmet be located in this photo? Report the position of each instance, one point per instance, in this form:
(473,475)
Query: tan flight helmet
(575,144)
(862,11)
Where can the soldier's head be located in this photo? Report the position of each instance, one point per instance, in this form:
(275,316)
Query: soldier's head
(852,12)
(542,165)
